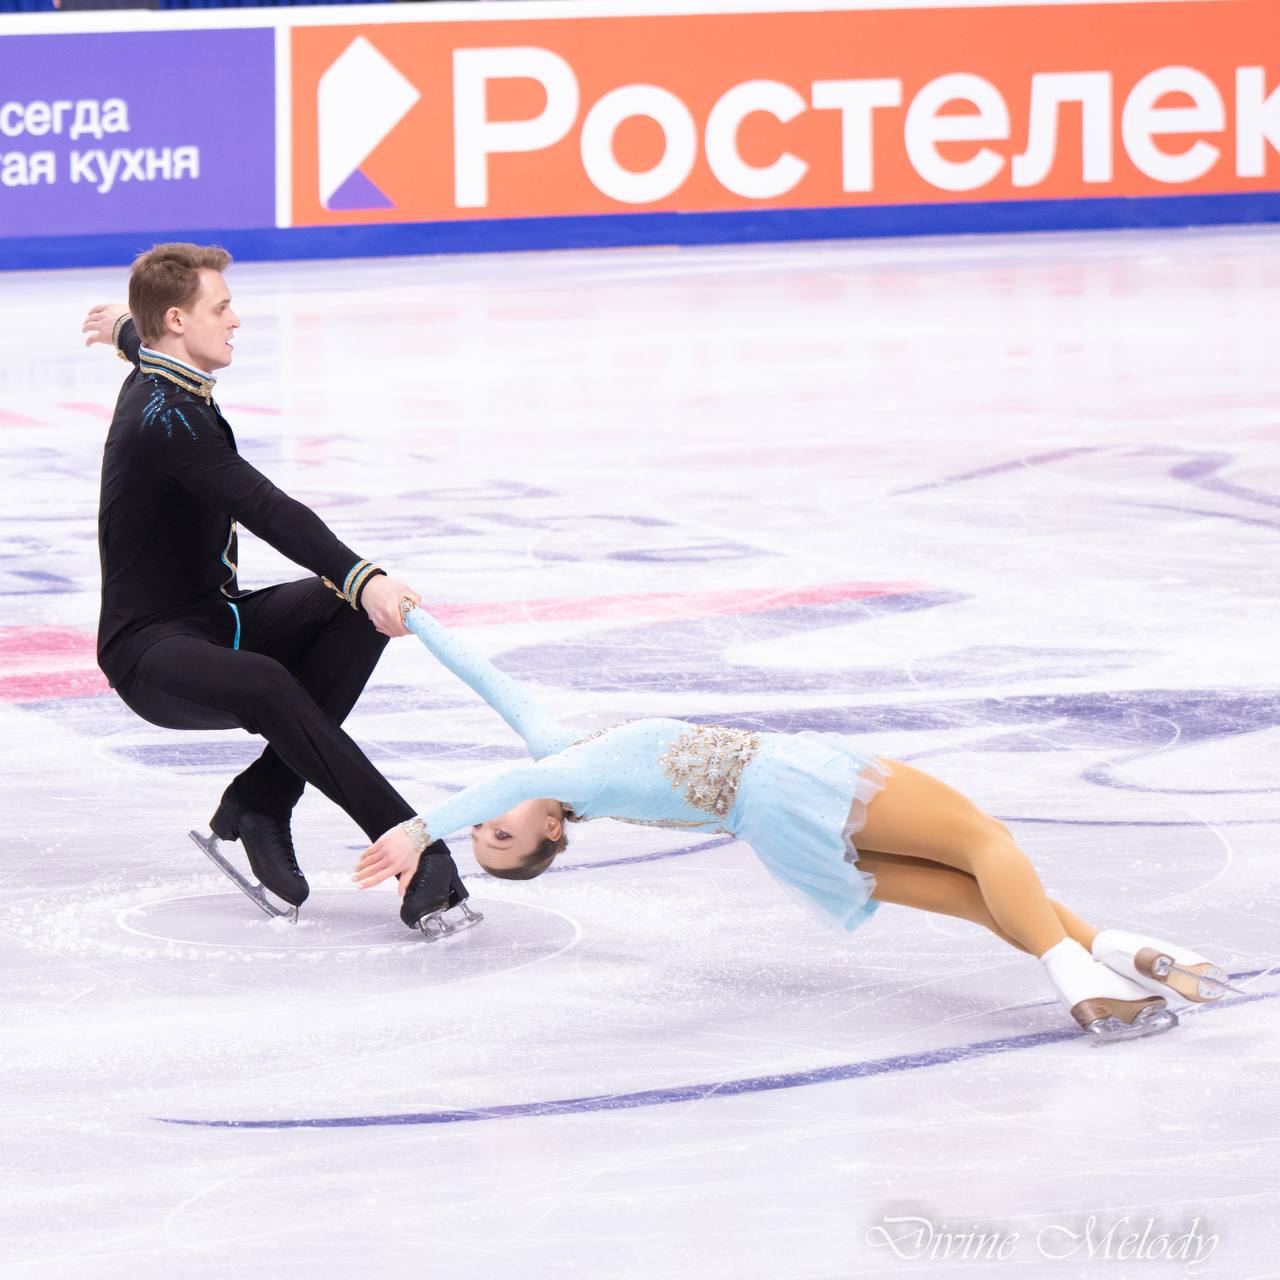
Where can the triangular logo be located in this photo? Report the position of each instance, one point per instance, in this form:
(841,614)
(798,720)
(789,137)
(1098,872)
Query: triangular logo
(360,99)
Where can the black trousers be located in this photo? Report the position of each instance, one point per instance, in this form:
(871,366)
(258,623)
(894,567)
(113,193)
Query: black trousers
(304,658)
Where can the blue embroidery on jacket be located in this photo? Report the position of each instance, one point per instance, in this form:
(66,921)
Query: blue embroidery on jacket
(154,410)
(153,406)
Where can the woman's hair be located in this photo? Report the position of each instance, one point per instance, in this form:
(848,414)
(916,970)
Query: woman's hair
(534,863)
(168,276)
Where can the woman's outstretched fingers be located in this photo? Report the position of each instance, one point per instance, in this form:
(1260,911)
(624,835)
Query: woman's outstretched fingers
(372,868)
(393,853)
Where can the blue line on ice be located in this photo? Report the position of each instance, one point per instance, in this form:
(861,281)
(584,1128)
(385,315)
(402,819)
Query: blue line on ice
(696,1092)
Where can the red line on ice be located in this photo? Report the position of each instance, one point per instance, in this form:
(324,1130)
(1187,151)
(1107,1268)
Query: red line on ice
(664,606)
(10,419)
(61,662)
(103,411)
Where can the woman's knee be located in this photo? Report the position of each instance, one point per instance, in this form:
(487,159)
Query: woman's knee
(989,842)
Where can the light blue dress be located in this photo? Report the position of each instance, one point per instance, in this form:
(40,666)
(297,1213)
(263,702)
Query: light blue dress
(797,798)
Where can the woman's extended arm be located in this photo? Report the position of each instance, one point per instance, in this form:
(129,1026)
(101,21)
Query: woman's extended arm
(554,778)
(542,734)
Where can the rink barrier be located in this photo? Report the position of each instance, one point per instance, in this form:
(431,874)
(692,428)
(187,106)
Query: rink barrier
(545,124)
(650,229)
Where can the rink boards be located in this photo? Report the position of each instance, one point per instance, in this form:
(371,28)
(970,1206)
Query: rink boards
(348,130)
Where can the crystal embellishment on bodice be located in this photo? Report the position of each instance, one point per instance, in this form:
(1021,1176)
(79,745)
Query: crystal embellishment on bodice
(707,760)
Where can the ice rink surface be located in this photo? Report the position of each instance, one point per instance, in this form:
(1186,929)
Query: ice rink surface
(1006,508)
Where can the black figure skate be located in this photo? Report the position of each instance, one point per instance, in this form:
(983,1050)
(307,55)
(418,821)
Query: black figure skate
(268,844)
(436,899)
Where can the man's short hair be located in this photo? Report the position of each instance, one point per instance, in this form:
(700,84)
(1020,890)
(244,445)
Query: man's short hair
(168,276)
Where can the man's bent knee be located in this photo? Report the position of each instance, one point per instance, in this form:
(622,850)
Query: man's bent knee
(272,689)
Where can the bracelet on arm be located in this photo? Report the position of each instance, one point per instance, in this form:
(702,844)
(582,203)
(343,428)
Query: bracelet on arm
(358,590)
(417,831)
(115,335)
(353,585)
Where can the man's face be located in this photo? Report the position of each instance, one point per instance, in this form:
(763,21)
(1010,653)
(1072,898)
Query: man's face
(208,326)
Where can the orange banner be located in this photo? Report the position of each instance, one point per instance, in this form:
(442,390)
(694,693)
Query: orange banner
(428,121)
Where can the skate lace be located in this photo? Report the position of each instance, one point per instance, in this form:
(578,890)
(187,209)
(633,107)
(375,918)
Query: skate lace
(280,838)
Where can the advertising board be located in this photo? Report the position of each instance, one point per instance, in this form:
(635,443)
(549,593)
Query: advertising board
(418,128)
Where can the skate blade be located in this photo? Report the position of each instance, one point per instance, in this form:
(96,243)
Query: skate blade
(250,888)
(444,924)
(1148,1023)
(1212,984)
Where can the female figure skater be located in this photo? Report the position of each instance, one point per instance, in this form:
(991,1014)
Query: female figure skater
(847,830)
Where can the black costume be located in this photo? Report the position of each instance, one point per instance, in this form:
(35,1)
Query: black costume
(185,648)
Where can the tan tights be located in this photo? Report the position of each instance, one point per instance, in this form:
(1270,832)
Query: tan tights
(931,848)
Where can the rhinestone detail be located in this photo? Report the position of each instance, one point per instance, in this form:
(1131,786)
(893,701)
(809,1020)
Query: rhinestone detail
(707,761)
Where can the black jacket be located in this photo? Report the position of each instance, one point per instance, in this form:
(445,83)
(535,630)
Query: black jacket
(173,489)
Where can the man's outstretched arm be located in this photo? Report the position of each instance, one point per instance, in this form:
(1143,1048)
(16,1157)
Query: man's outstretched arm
(110,323)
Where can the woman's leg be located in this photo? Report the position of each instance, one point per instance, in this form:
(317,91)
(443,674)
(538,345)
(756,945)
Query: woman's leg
(932,886)
(918,816)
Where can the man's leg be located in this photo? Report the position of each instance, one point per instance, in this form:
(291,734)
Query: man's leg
(187,683)
(331,650)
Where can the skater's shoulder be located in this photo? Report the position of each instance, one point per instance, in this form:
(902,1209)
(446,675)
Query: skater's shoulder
(172,380)
(160,406)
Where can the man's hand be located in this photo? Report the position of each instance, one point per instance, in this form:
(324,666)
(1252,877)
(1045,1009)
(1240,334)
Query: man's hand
(394,853)
(100,323)
(381,601)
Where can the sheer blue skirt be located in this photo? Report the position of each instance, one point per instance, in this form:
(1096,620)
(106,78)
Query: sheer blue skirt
(801,801)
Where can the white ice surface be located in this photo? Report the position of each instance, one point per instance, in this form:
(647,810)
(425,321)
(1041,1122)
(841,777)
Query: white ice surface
(1065,446)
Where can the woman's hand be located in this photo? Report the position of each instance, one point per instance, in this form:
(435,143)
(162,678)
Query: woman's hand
(395,852)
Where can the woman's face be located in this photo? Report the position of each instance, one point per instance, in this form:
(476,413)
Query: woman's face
(506,841)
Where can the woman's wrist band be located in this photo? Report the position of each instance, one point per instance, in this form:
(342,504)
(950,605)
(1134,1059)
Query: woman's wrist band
(417,831)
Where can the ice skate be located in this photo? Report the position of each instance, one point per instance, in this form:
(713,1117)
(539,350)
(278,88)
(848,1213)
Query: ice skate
(1162,966)
(448,921)
(253,890)
(268,844)
(1107,1005)
(435,901)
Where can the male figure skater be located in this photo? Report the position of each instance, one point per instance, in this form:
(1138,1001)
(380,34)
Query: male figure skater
(179,641)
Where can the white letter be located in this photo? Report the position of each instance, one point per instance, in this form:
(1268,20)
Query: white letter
(159,164)
(1142,120)
(132,164)
(926,128)
(82,166)
(88,119)
(108,170)
(1257,122)
(855,100)
(115,116)
(680,144)
(11,119)
(43,167)
(752,181)
(186,162)
(1049,90)
(60,110)
(476,137)
(13,169)
(39,118)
